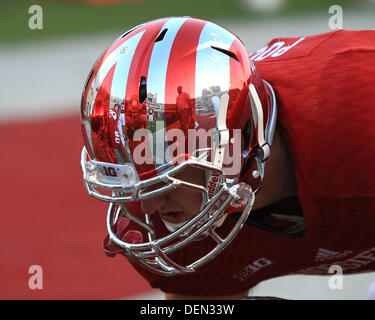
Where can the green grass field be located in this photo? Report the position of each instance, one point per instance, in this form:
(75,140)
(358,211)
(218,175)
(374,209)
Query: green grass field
(62,18)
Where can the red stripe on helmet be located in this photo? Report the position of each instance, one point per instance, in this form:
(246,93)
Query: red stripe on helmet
(84,116)
(100,128)
(133,107)
(127,35)
(239,109)
(181,77)
(100,61)
(93,75)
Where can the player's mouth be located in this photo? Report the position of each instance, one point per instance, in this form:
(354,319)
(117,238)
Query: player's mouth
(174,217)
(174,220)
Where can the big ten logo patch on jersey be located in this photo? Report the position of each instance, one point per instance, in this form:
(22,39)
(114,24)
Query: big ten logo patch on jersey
(275,50)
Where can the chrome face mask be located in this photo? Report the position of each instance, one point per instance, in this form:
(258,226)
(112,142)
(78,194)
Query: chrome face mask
(154,253)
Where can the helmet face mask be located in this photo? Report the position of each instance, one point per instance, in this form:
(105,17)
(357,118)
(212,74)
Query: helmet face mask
(170,95)
(154,253)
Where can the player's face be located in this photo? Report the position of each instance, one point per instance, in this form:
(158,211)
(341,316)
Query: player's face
(181,204)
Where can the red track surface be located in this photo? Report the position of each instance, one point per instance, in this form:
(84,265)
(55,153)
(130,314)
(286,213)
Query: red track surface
(47,219)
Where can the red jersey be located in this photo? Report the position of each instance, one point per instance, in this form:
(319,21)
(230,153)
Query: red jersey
(325,87)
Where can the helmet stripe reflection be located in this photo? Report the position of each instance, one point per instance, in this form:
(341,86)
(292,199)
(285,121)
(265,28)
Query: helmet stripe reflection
(156,82)
(106,64)
(181,77)
(86,107)
(210,61)
(212,74)
(125,56)
(111,59)
(239,77)
(100,127)
(157,71)
(139,69)
(120,80)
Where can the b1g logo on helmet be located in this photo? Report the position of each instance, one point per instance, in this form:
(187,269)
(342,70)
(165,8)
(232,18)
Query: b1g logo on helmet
(275,50)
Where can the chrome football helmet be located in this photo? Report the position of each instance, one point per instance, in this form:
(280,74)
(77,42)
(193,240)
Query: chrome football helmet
(176,78)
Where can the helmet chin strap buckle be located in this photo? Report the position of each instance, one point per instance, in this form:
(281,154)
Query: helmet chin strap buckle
(266,151)
(242,195)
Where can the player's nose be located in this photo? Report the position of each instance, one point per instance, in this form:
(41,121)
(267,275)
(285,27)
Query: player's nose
(153,205)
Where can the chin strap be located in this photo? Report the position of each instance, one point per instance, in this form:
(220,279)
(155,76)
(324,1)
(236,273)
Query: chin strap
(255,101)
(265,134)
(220,139)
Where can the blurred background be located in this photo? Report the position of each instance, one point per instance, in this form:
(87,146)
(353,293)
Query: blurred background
(46,217)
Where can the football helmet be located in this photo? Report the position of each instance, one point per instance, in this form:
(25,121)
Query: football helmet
(146,104)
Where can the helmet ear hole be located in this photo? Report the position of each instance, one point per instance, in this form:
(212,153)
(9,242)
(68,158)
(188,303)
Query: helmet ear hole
(142,90)
(246,135)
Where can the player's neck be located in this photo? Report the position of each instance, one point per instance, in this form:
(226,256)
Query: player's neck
(279,180)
